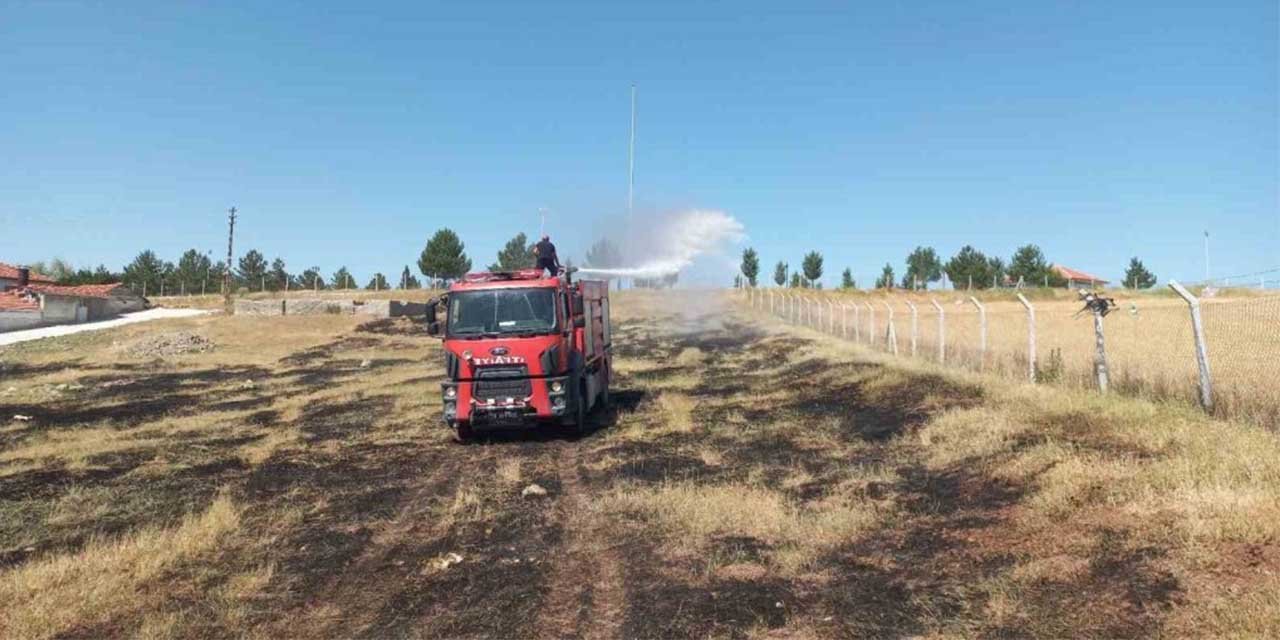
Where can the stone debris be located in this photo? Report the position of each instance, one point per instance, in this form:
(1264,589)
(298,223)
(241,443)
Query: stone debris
(533,491)
(442,563)
(170,343)
(21,418)
(366,363)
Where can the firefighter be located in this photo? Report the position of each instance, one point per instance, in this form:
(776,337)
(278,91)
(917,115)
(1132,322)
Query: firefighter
(546,254)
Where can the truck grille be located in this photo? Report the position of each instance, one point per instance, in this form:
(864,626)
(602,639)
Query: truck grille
(502,382)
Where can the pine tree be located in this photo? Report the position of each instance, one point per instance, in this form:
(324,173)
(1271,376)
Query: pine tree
(1029,267)
(377,283)
(812,266)
(1137,276)
(886,277)
(252,269)
(750,265)
(311,279)
(516,254)
(278,278)
(796,281)
(846,279)
(969,263)
(144,273)
(444,257)
(923,266)
(192,271)
(780,273)
(408,281)
(342,279)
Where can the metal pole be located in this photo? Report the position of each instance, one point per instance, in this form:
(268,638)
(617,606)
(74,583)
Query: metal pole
(982,333)
(871,324)
(857,327)
(890,336)
(831,316)
(844,321)
(1099,352)
(1031,337)
(915,327)
(942,331)
(1206,258)
(1202,350)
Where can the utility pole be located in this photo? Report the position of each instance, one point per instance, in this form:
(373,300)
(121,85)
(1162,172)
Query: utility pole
(631,166)
(226,276)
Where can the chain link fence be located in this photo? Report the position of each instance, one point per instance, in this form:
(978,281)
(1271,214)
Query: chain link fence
(1149,343)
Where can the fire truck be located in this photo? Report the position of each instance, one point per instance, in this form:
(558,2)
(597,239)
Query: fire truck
(522,349)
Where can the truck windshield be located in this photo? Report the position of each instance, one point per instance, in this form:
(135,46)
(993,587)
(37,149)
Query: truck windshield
(502,311)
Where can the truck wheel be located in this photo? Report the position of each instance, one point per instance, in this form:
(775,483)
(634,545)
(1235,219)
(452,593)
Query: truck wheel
(462,433)
(579,427)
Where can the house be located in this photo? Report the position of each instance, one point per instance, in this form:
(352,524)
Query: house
(26,304)
(1079,279)
(9,277)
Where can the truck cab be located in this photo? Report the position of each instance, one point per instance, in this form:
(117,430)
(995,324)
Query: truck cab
(523,350)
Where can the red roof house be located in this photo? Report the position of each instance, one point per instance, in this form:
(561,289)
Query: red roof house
(9,277)
(1079,279)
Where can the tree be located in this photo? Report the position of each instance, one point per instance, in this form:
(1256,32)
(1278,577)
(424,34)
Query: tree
(408,281)
(342,279)
(797,282)
(603,255)
(101,275)
(216,273)
(252,270)
(1137,276)
(311,279)
(58,269)
(193,268)
(750,265)
(886,277)
(444,257)
(812,266)
(846,279)
(971,265)
(278,278)
(923,267)
(377,283)
(780,273)
(1029,267)
(145,272)
(516,254)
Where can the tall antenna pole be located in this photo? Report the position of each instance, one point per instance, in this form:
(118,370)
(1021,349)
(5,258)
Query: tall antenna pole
(631,157)
(542,226)
(226,275)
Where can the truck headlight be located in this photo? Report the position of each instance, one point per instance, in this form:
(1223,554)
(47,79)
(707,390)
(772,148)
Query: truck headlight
(557,386)
(558,402)
(450,392)
(450,409)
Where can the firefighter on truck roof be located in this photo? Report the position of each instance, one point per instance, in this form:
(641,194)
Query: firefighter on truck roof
(546,253)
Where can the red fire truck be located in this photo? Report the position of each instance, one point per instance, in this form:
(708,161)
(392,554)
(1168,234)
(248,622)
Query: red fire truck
(524,350)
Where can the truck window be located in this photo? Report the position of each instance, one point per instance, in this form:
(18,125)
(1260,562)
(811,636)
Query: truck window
(502,311)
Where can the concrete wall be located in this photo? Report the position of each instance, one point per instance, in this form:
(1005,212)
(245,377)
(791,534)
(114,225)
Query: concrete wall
(15,320)
(62,310)
(316,307)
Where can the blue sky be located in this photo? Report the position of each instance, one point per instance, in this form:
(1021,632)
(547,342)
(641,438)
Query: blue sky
(347,134)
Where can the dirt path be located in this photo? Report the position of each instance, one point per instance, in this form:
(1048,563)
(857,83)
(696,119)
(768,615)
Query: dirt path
(26,335)
(587,598)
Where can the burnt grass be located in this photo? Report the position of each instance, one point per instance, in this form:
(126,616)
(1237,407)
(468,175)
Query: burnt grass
(359,523)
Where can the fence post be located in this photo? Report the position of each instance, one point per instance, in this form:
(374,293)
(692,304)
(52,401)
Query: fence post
(982,333)
(1202,350)
(915,327)
(857,327)
(844,321)
(771,302)
(891,336)
(1099,352)
(1031,337)
(871,324)
(831,315)
(942,331)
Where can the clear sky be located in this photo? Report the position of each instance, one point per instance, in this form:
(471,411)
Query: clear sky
(347,133)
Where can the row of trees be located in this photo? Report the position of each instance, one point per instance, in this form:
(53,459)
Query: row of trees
(968,268)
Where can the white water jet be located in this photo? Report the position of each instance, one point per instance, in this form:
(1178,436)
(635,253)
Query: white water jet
(673,243)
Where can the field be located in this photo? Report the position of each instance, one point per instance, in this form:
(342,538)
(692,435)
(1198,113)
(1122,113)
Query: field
(753,480)
(1149,341)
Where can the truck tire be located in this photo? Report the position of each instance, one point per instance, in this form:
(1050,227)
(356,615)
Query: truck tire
(462,433)
(579,427)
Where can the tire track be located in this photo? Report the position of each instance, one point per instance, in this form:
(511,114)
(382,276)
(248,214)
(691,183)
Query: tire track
(587,598)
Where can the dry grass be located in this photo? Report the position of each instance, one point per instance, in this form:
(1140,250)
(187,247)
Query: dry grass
(108,578)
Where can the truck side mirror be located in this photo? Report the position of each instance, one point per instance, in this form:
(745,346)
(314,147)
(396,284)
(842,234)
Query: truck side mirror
(433,328)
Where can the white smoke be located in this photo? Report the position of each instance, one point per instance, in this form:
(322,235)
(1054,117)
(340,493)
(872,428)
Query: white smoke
(672,243)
